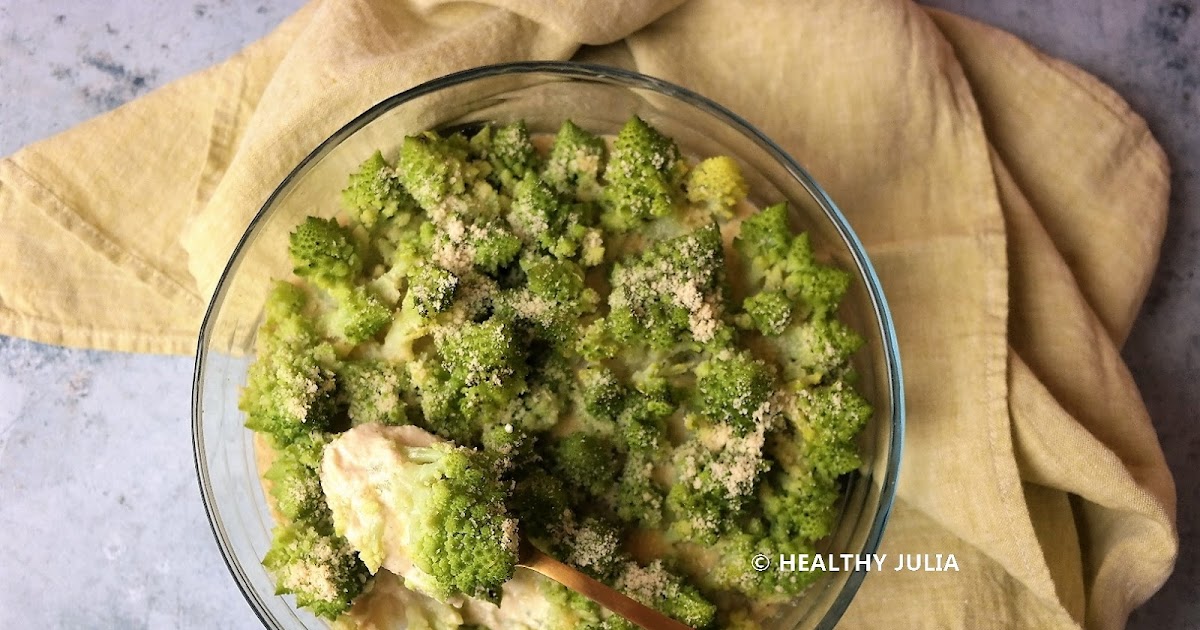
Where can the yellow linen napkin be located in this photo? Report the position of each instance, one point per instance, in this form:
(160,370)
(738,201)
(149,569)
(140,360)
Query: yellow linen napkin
(1012,204)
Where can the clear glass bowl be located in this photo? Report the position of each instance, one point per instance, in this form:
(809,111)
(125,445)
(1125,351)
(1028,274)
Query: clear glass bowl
(543,94)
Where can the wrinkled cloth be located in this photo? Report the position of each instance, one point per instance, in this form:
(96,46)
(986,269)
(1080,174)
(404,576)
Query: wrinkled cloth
(1012,204)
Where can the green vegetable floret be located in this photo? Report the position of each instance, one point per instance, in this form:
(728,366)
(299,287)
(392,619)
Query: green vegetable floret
(644,175)
(642,422)
(291,388)
(816,350)
(799,508)
(324,251)
(736,389)
(828,418)
(542,503)
(553,299)
(485,244)
(488,361)
(714,484)
(432,289)
(509,151)
(537,410)
(671,293)
(769,312)
(320,568)
(433,167)
(548,221)
(295,480)
(732,569)
(717,185)
(779,261)
(568,609)
(493,246)
(441,402)
(603,393)
(656,586)
(576,162)
(639,500)
(511,446)
(374,390)
(765,237)
(374,193)
(587,462)
(594,547)
(359,315)
(461,534)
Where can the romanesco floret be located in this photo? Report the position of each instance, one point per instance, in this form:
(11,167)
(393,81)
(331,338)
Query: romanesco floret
(493,246)
(819,286)
(461,247)
(642,422)
(318,567)
(373,390)
(643,176)
(799,508)
(736,389)
(671,293)
(779,261)
(769,312)
(542,503)
(717,184)
(585,461)
(639,500)
(537,211)
(732,570)
(764,239)
(291,389)
(575,162)
(374,192)
(816,350)
(538,409)
(296,482)
(487,360)
(464,537)
(440,398)
(509,150)
(552,224)
(409,243)
(594,547)
(556,280)
(603,394)
(553,299)
(828,418)
(324,251)
(660,588)
(597,341)
(712,487)
(432,167)
(510,445)
(432,289)
(359,315)
(569,610)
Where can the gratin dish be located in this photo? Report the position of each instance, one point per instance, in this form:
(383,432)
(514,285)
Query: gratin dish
(542,94)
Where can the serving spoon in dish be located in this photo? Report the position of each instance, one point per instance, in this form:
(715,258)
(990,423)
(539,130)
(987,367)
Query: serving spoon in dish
(368,471)
(644,616)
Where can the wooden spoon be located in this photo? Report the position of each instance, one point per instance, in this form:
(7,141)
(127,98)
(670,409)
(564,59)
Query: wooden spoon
(533,559)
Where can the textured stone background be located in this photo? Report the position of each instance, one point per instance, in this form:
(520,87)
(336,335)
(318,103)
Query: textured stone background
(102,521)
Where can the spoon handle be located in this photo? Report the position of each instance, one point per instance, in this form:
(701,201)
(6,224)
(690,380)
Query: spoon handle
(630,609)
